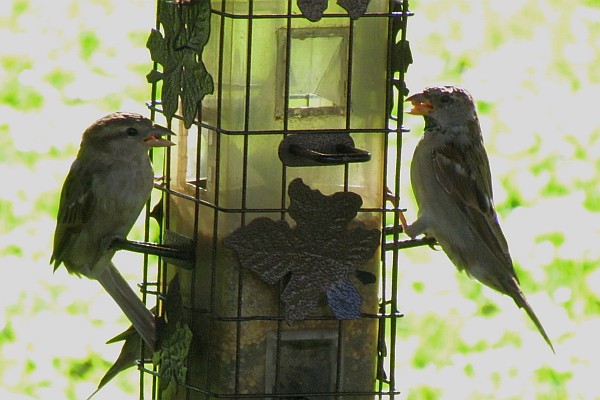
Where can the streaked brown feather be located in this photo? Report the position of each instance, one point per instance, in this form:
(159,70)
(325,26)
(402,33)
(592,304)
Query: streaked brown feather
(469,185)
(76,206)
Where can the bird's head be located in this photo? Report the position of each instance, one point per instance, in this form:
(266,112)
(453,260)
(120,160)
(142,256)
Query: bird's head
(125,133)
(444,105)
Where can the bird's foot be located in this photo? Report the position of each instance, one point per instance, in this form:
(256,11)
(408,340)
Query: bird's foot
(111,242)
(391,197)
(415,229)
(405,227)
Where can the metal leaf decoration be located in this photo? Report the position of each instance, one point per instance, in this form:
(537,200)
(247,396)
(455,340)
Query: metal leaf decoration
(175,340)
(313,9)
(355,8)
(401,54)
(319,253)
(186,29)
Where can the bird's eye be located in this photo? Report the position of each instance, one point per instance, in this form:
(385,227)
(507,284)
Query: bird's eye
(445,99)
(132,132)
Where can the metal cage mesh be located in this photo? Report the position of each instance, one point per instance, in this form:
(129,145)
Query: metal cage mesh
(225,172)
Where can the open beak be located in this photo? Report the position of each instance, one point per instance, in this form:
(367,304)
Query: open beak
(154,138)
(421,106)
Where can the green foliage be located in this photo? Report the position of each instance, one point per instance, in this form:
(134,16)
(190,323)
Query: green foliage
(580,148)
(11,21)
(469,370)
(510,339)
(19,7)
(10,155)
(513,196)
(14,65)
(13,92)
(424,393)
(556,238)
(489,309)
(592,198)
(526,280)
(88,44)
(418,287)
(7,334)
(11,250)
(8,219)
(555,188)
(47,203)
(438,339)
(479,346)
(110,102)
(565,69)
(59,78)
(554,384)
(571,274)
(524,25)
(484,107)
(76,308)
(546,164)
(138,39)
(593,71)
(77,369)
(469,288)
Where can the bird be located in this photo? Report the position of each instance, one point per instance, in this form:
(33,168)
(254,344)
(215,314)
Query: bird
(452,184)
(105,190)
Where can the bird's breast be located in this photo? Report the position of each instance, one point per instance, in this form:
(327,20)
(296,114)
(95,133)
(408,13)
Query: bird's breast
(422,176)
(123,192)
(436,206)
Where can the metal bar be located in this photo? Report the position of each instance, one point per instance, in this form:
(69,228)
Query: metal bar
(302,395)
(259,210)
(345,155)
(301,16)
(407,244)
(152,248)
(217,129)
(380,316)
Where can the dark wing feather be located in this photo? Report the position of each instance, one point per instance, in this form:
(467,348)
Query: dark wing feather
(469,185)
(76,206)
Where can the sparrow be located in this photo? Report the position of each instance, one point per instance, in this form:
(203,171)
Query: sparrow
(104,192)
(452,184)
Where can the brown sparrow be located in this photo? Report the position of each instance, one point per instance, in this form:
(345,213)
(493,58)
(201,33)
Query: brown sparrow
(103,194)
(451,181)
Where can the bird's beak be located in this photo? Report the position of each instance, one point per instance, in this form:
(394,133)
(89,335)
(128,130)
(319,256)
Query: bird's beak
(154,138)
(421,105)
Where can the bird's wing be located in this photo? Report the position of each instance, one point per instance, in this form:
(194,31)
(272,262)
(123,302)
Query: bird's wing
(75,208)
(468,182)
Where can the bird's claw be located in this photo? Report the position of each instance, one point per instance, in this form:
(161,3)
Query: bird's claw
(405,227)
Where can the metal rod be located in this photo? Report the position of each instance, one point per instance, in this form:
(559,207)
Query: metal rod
(152,248)
(407,244)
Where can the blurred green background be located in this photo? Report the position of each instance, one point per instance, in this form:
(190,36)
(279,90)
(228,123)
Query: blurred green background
(534,68)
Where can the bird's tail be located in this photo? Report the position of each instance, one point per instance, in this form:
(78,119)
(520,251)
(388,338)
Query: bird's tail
(522,302)
(141,318)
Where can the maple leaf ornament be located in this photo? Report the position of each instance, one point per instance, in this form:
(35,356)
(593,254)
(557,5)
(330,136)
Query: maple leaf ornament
(179,53)
(319,253)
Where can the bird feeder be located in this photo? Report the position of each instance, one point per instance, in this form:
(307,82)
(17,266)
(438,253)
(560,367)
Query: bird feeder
(285,113)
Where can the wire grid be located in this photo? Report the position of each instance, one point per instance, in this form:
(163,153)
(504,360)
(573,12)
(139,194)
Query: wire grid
(209,217)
